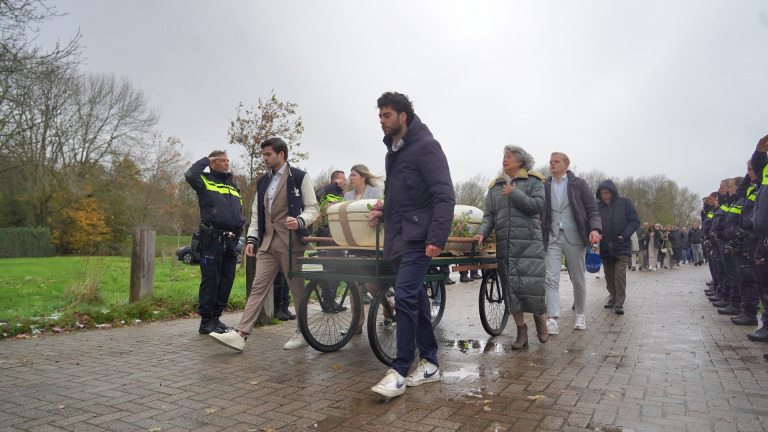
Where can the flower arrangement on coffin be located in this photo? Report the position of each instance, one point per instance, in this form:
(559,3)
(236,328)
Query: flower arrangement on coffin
(374,207)
(460,227)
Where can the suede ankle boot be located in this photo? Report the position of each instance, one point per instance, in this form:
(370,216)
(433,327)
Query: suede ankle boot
(522,337)
(541,328)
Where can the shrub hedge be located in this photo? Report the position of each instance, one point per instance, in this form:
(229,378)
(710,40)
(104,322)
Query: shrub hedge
(26,242)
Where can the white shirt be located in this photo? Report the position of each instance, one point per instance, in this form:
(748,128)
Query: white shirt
(560,187)
(273,186)
(397,146)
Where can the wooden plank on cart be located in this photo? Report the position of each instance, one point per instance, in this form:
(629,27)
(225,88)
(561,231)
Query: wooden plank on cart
(468,267)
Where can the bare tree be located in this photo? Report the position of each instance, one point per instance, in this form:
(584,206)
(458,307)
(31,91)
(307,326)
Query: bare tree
(22,60)
(322,177)
(67,130)
(472,192)
(271,118)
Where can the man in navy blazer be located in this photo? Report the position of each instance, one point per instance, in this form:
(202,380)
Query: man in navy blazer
(417,214)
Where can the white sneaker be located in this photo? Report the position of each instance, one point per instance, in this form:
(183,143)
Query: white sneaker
(297,341)
(422,374)
(229,339)
(581,323)
(393,384)
(552,326)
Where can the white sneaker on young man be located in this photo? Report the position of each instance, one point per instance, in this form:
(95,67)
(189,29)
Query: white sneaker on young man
(425,372)
(581,323)
(393,384)
(552,327)
(229,339)
(297,341)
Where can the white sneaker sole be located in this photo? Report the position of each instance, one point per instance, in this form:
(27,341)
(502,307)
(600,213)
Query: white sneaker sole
(389,392)
(221,342)
(578,327)
(413,383)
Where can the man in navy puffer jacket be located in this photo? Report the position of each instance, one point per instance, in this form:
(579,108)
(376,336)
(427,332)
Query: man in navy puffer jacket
(418,214)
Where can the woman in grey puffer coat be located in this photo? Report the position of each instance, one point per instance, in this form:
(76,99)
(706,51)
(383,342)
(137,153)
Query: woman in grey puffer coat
(512,208)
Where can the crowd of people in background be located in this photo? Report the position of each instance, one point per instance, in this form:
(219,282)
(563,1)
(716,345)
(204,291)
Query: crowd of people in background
(658,247)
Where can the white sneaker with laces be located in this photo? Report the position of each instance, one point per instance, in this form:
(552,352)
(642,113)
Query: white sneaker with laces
(581,323)
(229,339)
(297,341)
(393,384)
(552,327)
(425,372)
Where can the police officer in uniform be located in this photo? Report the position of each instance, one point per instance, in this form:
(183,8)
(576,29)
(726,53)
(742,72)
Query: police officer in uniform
(221,221)
(759,164)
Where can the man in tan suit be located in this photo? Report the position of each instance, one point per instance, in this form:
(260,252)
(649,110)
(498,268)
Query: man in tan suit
(285,205)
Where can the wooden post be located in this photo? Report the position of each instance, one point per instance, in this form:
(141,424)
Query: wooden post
(268,311)
(174,261)
(162,257)
(142,263)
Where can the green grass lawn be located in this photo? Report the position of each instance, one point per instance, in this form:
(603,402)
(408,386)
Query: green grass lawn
(40,294)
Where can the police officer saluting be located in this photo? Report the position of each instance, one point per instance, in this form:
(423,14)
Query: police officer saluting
(221,221)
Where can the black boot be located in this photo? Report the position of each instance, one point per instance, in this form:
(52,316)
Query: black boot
(221,326)
(732,309)
(279,314)
(723,302)
(288,313)
(208,325)
(746,318)
(761,335)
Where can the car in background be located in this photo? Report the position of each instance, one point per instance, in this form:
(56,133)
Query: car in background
(190,255)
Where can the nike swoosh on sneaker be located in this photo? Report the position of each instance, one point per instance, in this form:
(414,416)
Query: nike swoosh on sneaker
(400,385)
(427,375)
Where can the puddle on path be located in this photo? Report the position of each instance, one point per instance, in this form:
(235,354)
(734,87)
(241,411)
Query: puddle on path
(461,374)
(471,345)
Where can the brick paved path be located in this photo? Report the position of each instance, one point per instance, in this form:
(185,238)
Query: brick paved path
(670,363)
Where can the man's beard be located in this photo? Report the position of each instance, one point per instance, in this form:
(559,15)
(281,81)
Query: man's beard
(394,130)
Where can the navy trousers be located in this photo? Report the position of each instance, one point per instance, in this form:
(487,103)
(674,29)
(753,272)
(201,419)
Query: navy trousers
(414,322)
(218,263)
(750,296)
(719,274)
(731,274)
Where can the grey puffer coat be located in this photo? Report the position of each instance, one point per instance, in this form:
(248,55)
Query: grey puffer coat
(519,245)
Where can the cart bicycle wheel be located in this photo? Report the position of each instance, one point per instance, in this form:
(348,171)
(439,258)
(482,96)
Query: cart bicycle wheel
(326,317)
(382,325)
(436,299)
(493,310)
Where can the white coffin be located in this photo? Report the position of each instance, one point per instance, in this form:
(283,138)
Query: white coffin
(475,219)
(350,226)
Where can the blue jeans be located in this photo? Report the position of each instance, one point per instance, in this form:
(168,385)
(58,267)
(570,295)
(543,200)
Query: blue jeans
(414,322)
(218,263)
(685,254)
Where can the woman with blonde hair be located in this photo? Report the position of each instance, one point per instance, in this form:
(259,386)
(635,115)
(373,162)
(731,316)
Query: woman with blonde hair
(363,183)
(364,186)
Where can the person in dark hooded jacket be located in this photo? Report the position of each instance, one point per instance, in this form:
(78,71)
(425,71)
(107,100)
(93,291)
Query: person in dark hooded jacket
(619,219)
(418,215)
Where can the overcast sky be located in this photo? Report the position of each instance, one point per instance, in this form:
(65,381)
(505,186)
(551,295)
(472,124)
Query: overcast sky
(631,88)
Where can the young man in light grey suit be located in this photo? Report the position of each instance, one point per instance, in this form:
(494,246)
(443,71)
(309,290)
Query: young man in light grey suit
(570,222)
